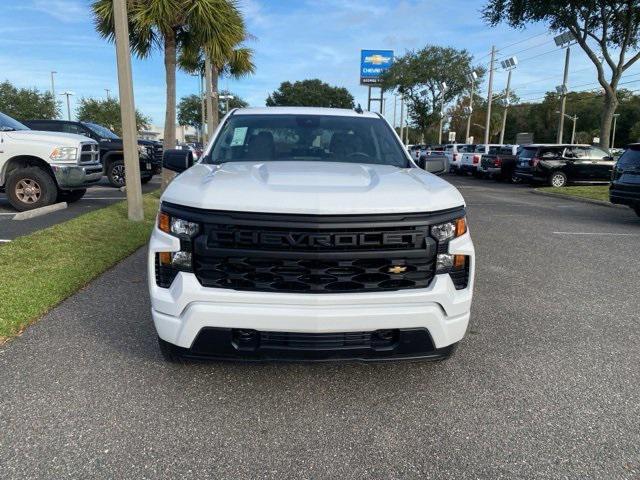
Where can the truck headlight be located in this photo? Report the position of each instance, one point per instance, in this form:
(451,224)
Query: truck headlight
(64,154)
(177,226)
(446,231)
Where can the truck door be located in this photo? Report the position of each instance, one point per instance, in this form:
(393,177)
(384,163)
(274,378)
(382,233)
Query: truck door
(601,164)
(577,164)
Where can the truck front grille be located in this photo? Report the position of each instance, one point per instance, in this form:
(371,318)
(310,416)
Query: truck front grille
(89,153)
(313,254)
(321,275)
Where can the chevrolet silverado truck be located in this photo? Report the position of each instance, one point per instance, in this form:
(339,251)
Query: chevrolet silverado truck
(111,146)
(500,164)
(40,168)
(308,234)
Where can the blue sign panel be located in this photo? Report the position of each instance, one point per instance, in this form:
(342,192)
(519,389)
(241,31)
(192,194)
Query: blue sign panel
(373,63)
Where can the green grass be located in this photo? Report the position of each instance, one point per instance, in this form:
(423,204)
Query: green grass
(40,270)
(596,192)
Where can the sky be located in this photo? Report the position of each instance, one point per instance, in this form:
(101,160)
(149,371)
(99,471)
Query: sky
(293,40)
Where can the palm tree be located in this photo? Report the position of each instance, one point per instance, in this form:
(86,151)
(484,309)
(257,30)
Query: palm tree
(169,25)
(235,62)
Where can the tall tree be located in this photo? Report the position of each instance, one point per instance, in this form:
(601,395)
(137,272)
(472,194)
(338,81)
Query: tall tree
(310,93)
(235,61)
(607,29)
(168,25)
(27,103)
(107,113)
(418,76)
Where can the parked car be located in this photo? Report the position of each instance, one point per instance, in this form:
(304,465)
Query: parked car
(40,168)
(454,152)
(625,180)
(304,234)
(557,165)
(501,164)
(149,151)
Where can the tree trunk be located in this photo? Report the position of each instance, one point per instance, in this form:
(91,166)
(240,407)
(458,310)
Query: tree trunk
(216,101)
(609,108)
(170,114)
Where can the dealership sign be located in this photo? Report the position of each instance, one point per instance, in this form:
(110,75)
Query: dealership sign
(373,63)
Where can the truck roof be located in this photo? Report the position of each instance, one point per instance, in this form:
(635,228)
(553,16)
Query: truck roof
(336,112)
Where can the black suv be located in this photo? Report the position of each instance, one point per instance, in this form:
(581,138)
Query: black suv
(557,165)
(625,181)
(110,148)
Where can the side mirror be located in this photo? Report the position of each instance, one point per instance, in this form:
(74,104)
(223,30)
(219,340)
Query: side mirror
(177,160)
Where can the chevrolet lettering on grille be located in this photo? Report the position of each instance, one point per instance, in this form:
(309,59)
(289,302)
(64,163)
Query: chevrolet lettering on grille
(248,238)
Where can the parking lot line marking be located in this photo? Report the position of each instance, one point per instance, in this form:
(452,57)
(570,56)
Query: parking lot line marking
(600,233)
(8,213)
(4,241)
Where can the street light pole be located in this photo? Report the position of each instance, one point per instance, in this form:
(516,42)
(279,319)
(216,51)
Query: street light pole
(402,119)
(53,87)
(68,94)
(108,91)
(487,123)
(563,103)
(508,64)
(443,90)
(395,104)
(127,112)
(472,79)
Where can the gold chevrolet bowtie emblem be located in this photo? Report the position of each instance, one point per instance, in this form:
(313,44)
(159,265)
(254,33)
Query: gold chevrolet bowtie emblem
(397,269)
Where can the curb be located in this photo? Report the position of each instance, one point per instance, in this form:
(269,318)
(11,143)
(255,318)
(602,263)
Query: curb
(571,198)
(38,212)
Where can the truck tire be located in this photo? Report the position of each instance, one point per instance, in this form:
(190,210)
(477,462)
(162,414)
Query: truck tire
(29,188)
(558,180)
(169,352)
(115,174)
(71,196)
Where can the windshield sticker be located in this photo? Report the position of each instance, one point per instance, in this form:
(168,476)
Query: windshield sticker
(239,134)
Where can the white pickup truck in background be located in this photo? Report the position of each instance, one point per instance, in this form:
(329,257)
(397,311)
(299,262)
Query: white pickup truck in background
(470,161)
(454,152)
(41,168)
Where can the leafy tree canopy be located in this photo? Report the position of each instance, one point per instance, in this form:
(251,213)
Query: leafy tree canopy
(27,103)
(418,76)
(310,93)
(107,113)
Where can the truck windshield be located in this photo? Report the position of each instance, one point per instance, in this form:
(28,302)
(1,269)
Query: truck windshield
(8,124)
(307,138)
(101,131)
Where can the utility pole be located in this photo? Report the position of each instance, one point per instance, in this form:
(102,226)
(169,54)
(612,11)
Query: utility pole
(208,95)
(573,130)
(443,90)
(68,94)
(108,91)
(402,119)
(395,104)
(613,137)
(508,64)
(53,87)
(472,80)
(127,112)
(487,123)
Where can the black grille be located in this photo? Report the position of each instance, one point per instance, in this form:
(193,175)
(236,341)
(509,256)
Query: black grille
(318,341)
(313,253)
(324,275)
(157,153)
(89,153)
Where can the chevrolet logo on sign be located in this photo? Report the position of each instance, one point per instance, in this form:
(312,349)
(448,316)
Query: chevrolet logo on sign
(397,269)
(377,59)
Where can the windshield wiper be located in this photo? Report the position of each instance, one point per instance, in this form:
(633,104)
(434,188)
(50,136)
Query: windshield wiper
(7,129)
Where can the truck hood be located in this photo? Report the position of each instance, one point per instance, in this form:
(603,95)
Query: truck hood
(56,139)
(311,188)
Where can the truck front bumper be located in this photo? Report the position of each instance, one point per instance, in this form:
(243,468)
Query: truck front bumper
(70,177)
(186,313)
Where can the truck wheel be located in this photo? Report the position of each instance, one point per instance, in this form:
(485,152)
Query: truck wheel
(169,352)
(558,179)
(115,174)
(515,179)
(29,188)
(71,196)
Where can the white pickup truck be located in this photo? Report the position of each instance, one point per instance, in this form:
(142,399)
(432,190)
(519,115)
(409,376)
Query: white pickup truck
(308,234)
(40,168)
(470,161)
(454,152)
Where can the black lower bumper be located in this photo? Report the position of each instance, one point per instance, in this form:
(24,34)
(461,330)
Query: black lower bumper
(252,345)
(623,197)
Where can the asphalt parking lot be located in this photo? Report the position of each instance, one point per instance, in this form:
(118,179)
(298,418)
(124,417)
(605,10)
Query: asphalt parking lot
(98,196)
(545,385)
